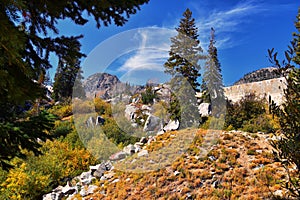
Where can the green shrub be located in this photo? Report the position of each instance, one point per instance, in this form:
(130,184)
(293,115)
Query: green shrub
(213,123)
(61,110)
(249,114)
(148,96)
(261,123)
(62,128)
(37,175)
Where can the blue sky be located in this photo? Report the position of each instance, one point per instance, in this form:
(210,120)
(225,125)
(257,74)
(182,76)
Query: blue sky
(136,52)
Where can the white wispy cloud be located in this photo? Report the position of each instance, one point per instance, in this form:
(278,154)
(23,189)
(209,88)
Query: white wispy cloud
(152,52)
(226,22)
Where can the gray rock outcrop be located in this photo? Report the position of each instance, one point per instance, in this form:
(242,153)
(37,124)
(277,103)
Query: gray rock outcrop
(152,124)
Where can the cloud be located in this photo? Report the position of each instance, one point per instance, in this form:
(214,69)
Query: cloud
(226,22)
(146,59)
(152,51)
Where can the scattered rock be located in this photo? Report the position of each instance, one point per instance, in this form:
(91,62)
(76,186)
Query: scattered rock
(99,120)
(278,193)
(115,181)
(143,140)
(172,125)
(176,173)
(118,156)
(212,158)
(144,152)
(99,170)
(146,109)
(130,149)
(90,122)
(138,147)
(134,125)
(160,132)
(215,184)
(151,139)
(67,190)
(259,151)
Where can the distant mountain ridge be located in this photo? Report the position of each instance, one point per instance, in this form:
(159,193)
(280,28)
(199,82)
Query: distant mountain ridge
(259,75)
(100,84)
(107,86)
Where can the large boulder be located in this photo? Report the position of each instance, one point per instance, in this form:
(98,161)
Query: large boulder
(98,170)
(204,109)
(129,149)
(130,111)
(152,124)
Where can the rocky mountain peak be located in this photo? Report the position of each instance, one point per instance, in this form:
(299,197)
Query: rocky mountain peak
(259,75)
(100,84)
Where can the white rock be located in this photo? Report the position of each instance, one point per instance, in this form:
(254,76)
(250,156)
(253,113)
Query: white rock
(172,125)
(259,151)
(176,173)
(130,112)
(204,109)
(278,193)
(116,180)
(160,133)
(143,152)
(129,149)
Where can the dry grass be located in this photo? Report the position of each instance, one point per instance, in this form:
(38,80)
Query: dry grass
(233,174)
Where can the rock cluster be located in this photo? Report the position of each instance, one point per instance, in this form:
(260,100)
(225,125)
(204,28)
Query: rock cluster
(83,185)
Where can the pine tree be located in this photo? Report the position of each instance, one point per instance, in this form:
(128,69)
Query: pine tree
(183,65)
(78,89)
(185,51)
(28,35)
(212,78)
(65,78)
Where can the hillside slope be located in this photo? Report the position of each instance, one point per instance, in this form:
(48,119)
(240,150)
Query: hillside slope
(239,166)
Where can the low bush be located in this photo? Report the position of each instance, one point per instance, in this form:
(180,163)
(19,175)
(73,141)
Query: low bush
(37,175)
(250,114)
(61,110)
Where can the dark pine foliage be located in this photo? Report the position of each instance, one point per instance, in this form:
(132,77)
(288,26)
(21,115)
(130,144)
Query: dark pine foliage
(287,148)
(183,65)
(213,81)
(28,35)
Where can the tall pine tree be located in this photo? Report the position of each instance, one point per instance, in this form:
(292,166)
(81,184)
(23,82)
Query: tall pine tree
(66,77)
(212,78)
(185,51)
(28,35)
(183,65)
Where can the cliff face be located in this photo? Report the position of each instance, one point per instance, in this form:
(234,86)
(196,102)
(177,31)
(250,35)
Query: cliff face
(264,89)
